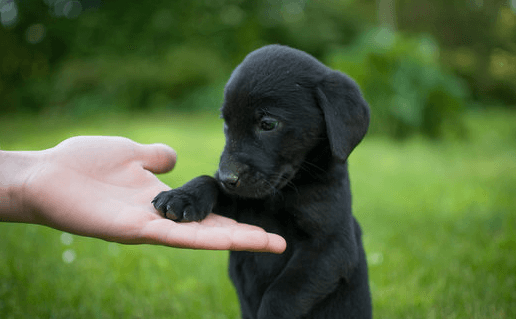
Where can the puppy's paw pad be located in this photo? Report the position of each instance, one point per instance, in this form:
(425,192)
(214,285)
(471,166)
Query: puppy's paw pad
(179,205)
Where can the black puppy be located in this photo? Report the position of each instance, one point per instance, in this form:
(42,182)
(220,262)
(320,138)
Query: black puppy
(290,123)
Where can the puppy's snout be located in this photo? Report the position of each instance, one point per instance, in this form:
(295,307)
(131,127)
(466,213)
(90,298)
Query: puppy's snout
(229,179)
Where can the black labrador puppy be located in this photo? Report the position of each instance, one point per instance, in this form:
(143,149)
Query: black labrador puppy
(290,124)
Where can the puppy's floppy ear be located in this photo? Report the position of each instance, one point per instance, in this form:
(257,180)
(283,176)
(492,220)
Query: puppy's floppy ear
(345,111)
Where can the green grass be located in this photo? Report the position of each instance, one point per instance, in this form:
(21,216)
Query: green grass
(438,219)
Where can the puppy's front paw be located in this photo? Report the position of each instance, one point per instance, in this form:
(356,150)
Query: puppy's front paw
(180,204)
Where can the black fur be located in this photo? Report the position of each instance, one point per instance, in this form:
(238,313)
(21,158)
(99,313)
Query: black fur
(290,125)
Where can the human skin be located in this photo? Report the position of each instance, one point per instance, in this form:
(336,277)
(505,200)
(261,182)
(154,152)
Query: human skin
(102,187)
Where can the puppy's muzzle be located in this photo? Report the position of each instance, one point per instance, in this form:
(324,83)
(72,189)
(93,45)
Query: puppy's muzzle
(240,179)
(230,175)
(230,180)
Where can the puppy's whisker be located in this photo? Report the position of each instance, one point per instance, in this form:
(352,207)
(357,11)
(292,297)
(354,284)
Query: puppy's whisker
(312,169)
(282,179)
(314,166)
(293,186)
(274,190)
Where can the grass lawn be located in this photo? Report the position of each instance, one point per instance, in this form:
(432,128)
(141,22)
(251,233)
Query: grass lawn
(438,219)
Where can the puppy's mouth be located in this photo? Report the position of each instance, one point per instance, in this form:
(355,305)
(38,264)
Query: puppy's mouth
(256,185)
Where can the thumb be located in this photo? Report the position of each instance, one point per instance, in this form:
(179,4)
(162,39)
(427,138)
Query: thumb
(157,158)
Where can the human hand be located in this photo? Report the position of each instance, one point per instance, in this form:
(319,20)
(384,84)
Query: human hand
(103,186)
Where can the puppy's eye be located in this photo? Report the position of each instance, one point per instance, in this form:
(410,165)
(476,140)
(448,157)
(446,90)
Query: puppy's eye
(268,124)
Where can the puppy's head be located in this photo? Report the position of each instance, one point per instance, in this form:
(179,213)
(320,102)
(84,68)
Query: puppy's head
(279,104)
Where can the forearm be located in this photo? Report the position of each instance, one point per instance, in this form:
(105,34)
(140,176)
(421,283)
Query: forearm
(15,170)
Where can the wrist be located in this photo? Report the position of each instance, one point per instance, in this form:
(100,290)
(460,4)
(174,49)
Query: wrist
(16,168)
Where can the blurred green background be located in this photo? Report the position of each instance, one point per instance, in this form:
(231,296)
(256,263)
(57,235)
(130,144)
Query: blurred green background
(434,181)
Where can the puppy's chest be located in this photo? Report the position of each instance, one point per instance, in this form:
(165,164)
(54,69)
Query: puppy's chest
(273,217)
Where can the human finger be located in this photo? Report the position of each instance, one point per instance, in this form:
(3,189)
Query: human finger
(157,158)
(198,236)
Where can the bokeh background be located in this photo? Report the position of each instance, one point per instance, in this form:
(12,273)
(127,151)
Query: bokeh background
(434,181)
(419,63)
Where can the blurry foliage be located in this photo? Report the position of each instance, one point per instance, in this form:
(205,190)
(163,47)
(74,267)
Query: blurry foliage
(147,55)
(478,40)
(85,56)
(406,87)
(134,81)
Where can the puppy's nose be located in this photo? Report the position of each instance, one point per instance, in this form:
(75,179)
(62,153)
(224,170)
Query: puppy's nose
(230,180)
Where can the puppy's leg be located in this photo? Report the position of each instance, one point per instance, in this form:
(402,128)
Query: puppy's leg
(191,202)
